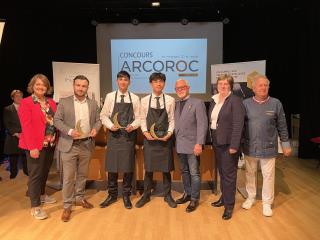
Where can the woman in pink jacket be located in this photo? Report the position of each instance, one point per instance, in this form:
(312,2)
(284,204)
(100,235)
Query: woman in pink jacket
(38,139)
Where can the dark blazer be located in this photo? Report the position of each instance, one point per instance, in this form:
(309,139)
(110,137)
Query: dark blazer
(230,121)
(12,125)
(190,127)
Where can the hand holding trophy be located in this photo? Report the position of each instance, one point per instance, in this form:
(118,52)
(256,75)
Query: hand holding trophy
(77,132)
(116,123)
(157,133)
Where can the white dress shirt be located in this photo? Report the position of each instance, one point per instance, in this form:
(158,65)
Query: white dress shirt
(108,106)
(170,104)
(216,109)
(16,106)
(81,110)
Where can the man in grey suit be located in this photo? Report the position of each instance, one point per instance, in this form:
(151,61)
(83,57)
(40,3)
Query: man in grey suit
(78,120)
(191,128)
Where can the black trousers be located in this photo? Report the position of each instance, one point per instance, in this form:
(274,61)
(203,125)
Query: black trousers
(38,169)
(148,183)
(227,167)
(14,168)
(113,183)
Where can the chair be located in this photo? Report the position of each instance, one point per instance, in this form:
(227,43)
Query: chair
(316,142)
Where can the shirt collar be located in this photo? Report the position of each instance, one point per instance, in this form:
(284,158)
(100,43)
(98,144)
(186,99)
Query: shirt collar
(36,100)
(77,100)
(154,96)
(185,99)
(260,102)
(216,97)
(120,93)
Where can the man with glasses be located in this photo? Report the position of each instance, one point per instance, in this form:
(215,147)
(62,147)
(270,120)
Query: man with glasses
(191,127)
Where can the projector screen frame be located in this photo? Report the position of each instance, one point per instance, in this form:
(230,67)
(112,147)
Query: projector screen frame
(212,31)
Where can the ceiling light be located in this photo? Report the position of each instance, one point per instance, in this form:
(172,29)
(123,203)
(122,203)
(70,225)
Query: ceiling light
(155,4)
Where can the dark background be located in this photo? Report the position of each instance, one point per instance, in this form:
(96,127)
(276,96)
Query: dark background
(285,33)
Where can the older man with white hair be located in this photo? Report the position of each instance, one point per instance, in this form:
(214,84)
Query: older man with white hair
(191,128)
(265,121)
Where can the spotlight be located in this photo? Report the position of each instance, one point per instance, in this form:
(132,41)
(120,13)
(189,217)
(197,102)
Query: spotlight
(135,21)
(184,21)
(155,3)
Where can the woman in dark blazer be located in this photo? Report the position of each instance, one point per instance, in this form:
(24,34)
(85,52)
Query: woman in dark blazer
(226,120)
(38,139)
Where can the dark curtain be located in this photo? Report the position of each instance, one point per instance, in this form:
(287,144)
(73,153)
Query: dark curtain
(309,81)
(287,37)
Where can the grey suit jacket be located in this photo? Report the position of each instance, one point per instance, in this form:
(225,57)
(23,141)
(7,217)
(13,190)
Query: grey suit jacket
(191,126)
(64,120)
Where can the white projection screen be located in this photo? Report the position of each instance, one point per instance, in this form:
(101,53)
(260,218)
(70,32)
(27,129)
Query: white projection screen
(179,51)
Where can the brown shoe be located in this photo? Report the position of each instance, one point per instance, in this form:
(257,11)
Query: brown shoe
(84,203)
(66,214)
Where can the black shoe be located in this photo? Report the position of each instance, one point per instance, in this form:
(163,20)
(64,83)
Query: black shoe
(127,203)
(109,200)
(12,175)
(218,203)
(170,201)
(185,198)
(227,214)
(192,206)
(142,201)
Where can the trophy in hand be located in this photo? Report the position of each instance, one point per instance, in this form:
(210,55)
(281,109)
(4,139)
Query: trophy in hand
(79,129)
(119,121)
(157,131)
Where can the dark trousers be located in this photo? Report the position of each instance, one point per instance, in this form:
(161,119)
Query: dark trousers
(148,182)
(227,167)
(113,183)
(14,167)
(38,169)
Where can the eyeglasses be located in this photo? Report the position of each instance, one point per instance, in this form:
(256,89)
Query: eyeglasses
(181,88)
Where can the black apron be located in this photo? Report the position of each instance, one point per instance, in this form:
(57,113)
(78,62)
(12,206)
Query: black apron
(158,155)
(121,144)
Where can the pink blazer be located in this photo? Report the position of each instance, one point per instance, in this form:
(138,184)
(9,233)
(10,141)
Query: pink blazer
(33,123)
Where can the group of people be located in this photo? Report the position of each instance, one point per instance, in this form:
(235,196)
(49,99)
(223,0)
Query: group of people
(234,125)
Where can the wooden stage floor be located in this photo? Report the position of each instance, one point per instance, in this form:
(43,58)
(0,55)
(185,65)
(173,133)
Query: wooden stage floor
(296,213)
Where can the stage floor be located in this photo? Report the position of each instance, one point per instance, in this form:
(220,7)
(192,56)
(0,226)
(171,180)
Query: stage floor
(296,213)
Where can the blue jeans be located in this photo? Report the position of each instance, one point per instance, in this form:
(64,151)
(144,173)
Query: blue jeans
(190,169)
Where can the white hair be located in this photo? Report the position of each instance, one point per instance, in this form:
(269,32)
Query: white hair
(258,76)
(185,81)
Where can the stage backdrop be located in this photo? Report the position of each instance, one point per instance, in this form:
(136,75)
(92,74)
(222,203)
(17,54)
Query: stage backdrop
(179,51)
(242,73)
(65,72)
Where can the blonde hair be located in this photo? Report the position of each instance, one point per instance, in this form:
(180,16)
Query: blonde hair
(44,80)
